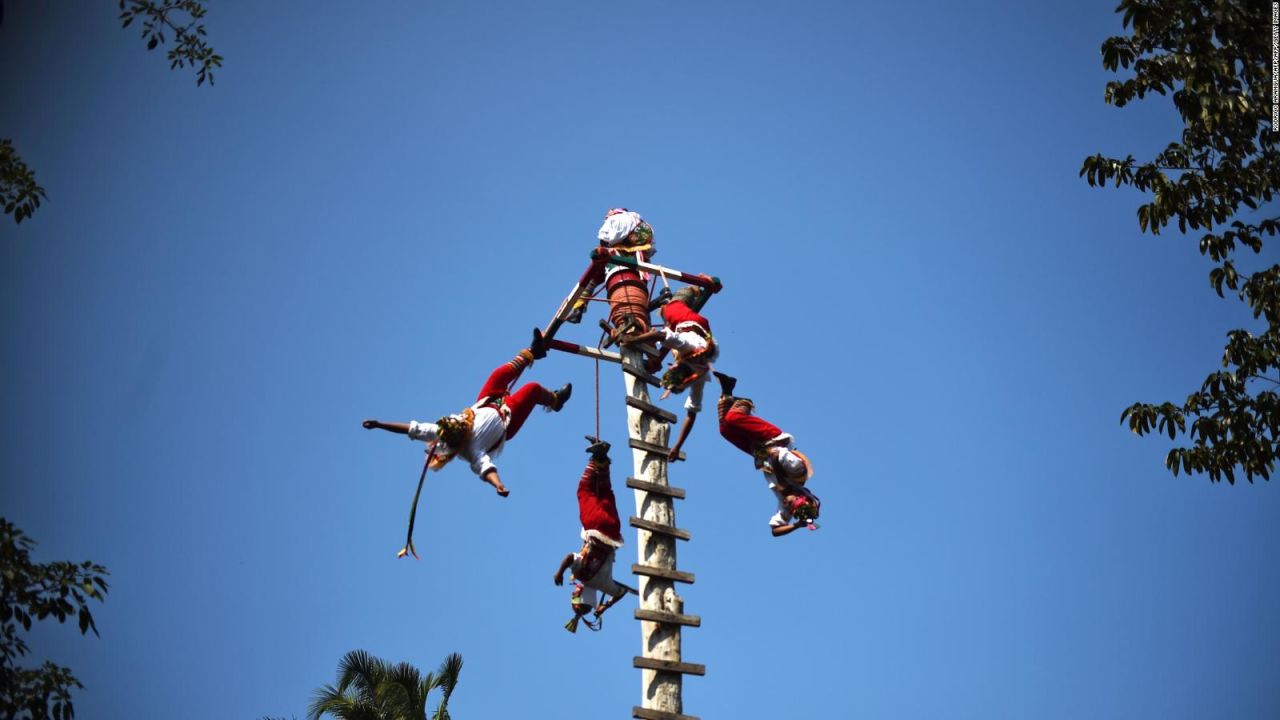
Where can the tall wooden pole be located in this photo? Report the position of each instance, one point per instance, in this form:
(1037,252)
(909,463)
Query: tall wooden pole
(661,611)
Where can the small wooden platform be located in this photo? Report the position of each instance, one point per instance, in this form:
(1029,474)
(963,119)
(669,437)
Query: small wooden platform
(651,448)
(665,416)
(665,574)
(668,666)
(670,618)
(654,527)
(646,714)
(647,486)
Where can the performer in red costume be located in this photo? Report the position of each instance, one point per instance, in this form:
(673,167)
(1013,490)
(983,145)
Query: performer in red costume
(687,336)
(601,536)
(785,468)
(479,432)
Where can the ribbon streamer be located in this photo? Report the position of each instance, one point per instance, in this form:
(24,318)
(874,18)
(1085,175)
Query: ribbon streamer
(413,511)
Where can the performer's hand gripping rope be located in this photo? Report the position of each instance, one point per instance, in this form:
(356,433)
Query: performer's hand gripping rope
(413,511)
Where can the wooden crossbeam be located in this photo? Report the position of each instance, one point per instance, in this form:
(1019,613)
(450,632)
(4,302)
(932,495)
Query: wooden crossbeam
(647,714)
(712,284)
(655,449)
(654,527)
(668,617)
(639,374)
(668,666)
(664,415)
(665,574)
(576,349)
(647,486)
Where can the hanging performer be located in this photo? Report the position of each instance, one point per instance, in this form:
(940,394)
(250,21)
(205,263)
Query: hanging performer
(478,433)
(623,233)
(601,536)
(785,468)
(688,336)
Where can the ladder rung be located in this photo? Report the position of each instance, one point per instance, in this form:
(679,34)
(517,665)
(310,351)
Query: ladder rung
(671,618)
(665,574)
(664,415)
(654,527)
(639,374)
(647,486)
(655,449)
(669,666)
(647,714)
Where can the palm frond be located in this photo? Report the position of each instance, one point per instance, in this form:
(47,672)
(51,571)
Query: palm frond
(448,678)
(399,692)
(343,707)
(363,672)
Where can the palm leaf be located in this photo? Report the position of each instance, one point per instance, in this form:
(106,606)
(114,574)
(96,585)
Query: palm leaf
(448,680)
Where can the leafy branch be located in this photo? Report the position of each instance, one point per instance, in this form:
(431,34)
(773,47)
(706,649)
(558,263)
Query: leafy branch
(19,192)
(181,18)
(32,591)
(1210,60)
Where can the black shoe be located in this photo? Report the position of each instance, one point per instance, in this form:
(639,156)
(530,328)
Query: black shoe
(660,299)
(561,397)
(598,448)
(539,345)
(727,383)
(575,316)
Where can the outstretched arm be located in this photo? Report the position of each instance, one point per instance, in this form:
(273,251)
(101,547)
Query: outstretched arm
(780,530)
(402,428)
(685,427)
(564,565)
(491,476)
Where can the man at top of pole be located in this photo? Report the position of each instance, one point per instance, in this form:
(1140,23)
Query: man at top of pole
(624,232)
(687,335)
(479,432)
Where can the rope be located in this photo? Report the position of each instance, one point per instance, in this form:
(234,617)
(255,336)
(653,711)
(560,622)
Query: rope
(597,359)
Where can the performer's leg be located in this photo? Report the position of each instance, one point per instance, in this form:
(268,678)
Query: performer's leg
(727,382)
(597,507)
(595,478)
(521,403)
(591,279)
(735,427)
(501,379)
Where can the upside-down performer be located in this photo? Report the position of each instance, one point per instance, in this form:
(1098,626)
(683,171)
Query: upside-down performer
(479,432)
(623,233)
(687,335)
(785,468)
(592,566)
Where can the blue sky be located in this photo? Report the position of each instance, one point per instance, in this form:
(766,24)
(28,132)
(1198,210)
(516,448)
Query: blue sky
(373,206)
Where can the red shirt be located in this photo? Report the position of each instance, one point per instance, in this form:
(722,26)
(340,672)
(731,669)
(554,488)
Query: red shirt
(676,312)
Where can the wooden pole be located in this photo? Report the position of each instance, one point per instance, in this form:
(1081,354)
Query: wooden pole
(660,641)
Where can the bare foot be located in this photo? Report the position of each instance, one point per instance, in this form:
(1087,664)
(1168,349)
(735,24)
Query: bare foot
(502,491)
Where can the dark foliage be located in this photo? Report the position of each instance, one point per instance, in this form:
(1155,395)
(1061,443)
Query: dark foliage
(1212,59)
(32,592)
